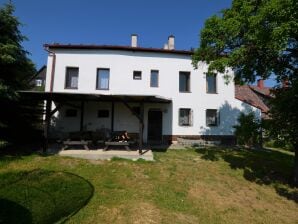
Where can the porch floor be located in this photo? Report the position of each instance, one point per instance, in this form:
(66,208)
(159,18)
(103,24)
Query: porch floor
(100,154)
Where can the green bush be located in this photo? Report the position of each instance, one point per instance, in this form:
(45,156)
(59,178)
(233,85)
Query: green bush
(248,130)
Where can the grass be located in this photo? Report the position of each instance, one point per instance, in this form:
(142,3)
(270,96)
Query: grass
(183,186)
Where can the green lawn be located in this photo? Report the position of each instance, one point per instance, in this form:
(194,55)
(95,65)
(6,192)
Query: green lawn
(182,186)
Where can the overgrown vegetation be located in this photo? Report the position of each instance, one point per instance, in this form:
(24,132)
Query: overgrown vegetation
(248,130)
(258,39)
(215,185)
(18,117)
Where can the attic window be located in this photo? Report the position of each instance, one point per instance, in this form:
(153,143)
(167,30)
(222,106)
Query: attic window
(137,75)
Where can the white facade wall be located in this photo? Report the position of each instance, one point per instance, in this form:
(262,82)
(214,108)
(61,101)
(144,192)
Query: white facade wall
(121,65)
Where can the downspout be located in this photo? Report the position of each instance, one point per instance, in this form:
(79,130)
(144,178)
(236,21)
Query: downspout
(51,53)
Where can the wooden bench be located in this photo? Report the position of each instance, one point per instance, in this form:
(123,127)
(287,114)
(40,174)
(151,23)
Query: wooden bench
(68,143)
(125,144)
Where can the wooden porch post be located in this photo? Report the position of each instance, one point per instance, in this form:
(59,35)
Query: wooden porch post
(112,116)
(47,125)
(82,115)
(141,127)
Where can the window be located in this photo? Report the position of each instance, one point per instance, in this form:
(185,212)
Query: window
(212,117)
(71,113)
(137,75)
(72,76)
(103,78)
(103,113)
(38,82)
(211,84)
(154,78)
(185,117)
(184,81)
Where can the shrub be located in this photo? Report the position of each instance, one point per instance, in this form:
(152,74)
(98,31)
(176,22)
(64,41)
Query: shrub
(248,130)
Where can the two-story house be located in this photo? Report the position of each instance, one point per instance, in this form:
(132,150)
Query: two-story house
(155,92)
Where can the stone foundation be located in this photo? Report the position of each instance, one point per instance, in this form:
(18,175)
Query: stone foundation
(224,139)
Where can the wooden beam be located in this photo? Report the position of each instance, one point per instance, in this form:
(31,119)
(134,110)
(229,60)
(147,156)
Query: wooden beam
(134,113)
(55,110)
(82,115)
(71,105)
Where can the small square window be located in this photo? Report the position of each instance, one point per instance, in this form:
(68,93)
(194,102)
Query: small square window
(212,117)
(185,117)
(137,75)
(103,113)
(38,82)
(71,113)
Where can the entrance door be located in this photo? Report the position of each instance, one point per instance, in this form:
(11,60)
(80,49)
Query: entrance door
(154,126)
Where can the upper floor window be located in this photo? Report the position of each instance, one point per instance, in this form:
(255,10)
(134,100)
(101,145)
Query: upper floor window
(184,81)
(72,77)
(211,83)
(212,117)
(103,78)
(137,75)
(154,78)
(185,117)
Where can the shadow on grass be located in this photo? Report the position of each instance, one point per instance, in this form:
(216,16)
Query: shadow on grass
(42,196)
(259,166)
(12,212)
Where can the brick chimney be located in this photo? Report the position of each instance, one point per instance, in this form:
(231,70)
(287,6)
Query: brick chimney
(134,40)
(261,83)
(171,42)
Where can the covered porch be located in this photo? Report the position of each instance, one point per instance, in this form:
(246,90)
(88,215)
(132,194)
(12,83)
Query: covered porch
(116,113)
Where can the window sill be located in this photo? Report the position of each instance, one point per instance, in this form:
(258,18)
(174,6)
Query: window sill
(212,93)
(102,89)
(71,88)
(184,91)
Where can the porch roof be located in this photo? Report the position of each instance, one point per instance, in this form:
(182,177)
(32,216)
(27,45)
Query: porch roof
(63,96)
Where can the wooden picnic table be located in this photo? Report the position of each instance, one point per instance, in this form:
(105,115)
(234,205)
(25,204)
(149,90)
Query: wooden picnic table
(114,143)
(68,143)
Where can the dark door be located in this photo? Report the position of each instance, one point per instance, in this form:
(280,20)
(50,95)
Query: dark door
(154,126)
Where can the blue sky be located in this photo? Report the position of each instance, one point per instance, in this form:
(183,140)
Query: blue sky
(112,22)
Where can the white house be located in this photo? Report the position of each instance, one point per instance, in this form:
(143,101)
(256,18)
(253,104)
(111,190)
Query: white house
(152,91)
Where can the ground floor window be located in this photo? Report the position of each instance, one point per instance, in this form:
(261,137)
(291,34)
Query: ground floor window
(185,117)
(212,117)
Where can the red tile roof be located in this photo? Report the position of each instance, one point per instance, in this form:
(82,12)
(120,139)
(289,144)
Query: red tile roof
(247,95)
(265,91)
(115,47)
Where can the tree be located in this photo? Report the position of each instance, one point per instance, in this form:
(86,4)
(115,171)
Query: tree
(257,39)
(16,69)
